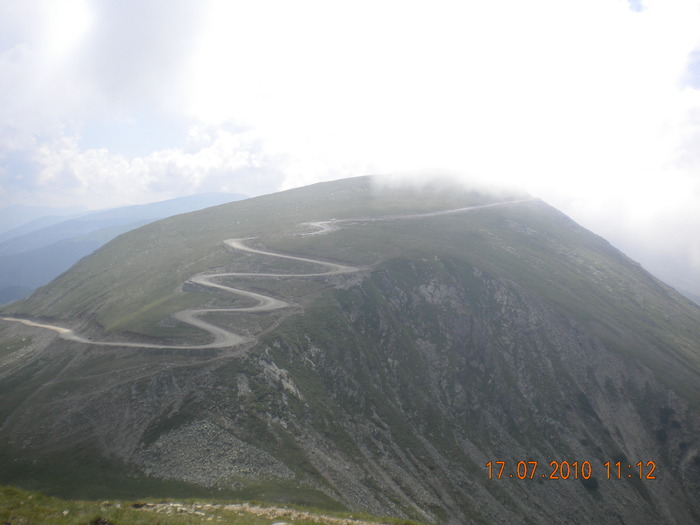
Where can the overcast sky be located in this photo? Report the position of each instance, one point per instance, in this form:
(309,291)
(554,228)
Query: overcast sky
(592,105)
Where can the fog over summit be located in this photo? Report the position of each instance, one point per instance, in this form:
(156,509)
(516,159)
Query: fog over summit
(591,106)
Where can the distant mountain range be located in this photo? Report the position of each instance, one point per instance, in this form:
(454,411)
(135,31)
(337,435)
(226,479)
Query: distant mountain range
(433,353)
(16,217)
(34,253)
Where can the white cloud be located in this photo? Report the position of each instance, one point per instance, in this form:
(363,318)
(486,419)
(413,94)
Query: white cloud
(219,161)
(589,105)
(551,91)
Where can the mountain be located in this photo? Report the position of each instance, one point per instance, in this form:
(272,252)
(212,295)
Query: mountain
(36,224)
(16,217)
(35,253)
(17,242)
(422,338)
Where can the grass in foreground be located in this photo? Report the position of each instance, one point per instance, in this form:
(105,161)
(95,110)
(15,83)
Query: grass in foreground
(20,507)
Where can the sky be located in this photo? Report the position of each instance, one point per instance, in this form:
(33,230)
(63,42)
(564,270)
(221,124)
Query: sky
(592,106)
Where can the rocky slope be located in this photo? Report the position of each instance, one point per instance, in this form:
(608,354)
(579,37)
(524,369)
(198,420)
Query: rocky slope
(506,334)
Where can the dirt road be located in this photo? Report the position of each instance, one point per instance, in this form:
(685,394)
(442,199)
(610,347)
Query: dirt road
(224,338)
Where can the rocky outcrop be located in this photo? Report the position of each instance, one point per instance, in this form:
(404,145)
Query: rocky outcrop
(204,454)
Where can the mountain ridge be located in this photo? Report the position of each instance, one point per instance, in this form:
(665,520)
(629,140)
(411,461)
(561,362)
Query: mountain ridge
(507,334)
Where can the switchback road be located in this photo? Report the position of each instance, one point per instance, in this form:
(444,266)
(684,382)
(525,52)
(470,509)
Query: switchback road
(224,338)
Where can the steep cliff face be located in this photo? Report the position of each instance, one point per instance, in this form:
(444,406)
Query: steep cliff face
(506,334)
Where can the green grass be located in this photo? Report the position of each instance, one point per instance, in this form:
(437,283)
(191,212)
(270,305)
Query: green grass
(21,507)
(11,345)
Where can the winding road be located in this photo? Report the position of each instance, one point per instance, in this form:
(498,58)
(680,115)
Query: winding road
(224,338)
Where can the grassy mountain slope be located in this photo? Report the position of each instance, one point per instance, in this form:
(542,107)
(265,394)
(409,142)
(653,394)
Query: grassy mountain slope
(135,280)
(500,334)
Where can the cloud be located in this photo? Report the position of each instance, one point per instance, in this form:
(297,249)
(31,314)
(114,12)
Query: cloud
(66,64)
(133,53)
(550,94)
(215,160)
(593,106)
(548,91)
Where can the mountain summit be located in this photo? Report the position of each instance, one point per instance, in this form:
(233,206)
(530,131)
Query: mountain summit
(431,352)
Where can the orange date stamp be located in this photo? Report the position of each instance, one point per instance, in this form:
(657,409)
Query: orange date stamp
(569,470)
